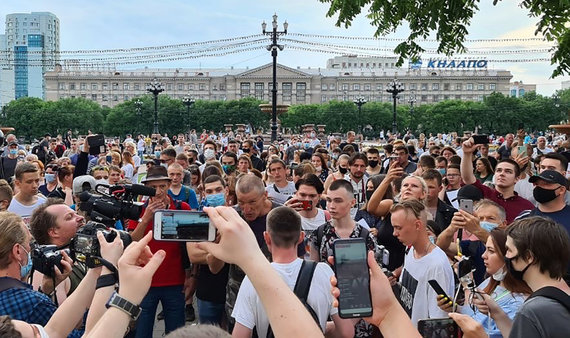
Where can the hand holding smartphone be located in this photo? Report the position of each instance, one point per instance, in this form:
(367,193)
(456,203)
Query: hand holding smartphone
(183,226)
(353,278)
(438,327)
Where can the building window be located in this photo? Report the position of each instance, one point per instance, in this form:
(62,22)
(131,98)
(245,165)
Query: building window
(446,86)
(367,87)
(480,98)
(356,86)
(436,98)
(115,97)
(458,97)
(424,98)
(202,86)
(222,87)
(137,86)
(72,86)
(424,86)
(435,86)
(169,86)
(469,86)
(332,86)
(104,97)
(83,86)
(324,87)
(379,87)
(61,85)
(259,90)
(287,89)
(301,91)
(105,86)
(115,86)
(458,86)
(191,86)
(215,87)
(521,92)
(492,86)
(513,92)
(413,86)
(180,86)
(126,98)
(323,98)
(244,89)
(126,86)
(84,96)
(94,97)
(480,86)
(345,86)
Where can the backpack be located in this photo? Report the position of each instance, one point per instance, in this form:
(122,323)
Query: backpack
(301,290)
(554,293)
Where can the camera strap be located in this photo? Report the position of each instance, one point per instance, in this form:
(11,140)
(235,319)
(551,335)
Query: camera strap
(94,261)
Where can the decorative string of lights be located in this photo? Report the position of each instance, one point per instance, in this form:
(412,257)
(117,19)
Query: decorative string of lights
(319,36)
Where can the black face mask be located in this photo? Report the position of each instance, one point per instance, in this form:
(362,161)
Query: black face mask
(372,163)
(342,170)
(542,195)
(518,275)
(191,160)
(369,194)
(246,150)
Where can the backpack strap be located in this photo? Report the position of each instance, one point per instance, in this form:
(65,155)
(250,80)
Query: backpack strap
(320,234)
(553,293)
(301,290)
(10,283)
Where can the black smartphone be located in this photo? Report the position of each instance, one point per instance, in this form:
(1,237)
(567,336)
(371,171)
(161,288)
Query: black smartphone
(96,144)
(481,139)
(437,288)
(353,278)
(438,327)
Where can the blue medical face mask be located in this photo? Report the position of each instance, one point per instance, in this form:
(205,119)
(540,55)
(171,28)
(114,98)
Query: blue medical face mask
(215,200)
(25,269)
(157,154)
(50,178)
(488,226)
(13,151)
(441,171)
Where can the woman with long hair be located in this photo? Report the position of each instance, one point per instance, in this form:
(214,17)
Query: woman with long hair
(483,170)
(128,167)
(320,165)
(507,291)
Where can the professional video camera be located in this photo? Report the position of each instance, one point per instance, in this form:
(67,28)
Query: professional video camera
(114,202)
(46,257)
(85,246)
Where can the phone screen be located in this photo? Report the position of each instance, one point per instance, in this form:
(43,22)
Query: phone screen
(351,269)
(522,151)
(438,327)
(177,225)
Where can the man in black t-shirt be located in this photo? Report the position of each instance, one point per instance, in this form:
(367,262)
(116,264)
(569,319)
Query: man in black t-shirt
(504,151)
(350,136)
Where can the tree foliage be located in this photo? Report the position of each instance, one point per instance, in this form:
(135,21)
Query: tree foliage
(450,21)
(32,117)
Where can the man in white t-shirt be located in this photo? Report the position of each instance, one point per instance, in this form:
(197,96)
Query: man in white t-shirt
(282,237)
(306,201)
(27,199)
(281,189)
(423,262)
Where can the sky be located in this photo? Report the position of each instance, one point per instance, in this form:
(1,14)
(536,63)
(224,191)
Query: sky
(106,24)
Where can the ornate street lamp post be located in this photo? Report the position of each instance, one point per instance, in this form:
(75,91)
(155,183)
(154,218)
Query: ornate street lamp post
(273,47)
(359,101)
(394,88)
(188,102)
(155,88)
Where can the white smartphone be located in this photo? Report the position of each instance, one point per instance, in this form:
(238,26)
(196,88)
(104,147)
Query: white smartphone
(466,205)
(183,226)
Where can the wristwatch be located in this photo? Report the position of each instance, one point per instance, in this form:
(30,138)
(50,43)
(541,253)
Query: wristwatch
(124,305)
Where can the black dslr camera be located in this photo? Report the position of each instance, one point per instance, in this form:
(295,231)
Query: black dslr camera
(85,245)
(46,257)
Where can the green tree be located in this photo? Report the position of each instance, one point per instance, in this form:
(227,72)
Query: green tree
(450,21)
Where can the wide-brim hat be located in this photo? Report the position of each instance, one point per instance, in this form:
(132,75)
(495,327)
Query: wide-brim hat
(156,173)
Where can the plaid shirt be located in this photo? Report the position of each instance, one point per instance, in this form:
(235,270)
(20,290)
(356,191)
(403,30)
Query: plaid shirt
(26,304)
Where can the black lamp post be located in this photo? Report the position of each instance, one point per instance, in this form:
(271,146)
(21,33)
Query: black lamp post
(155,88)
(394,88)
(188,102)
(274,34)
(359,101)
(138,108)
(412,101)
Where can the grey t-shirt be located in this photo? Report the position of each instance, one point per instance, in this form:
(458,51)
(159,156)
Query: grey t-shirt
(541,317)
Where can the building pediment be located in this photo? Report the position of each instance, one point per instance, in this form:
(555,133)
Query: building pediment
(266,71)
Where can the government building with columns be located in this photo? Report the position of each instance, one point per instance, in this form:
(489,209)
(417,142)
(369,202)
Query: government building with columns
(344,78)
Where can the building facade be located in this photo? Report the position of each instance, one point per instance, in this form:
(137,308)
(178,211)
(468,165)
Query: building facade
(110,87)
(518,88)
(31,47)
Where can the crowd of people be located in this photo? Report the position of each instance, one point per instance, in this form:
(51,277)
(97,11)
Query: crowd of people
(425,206)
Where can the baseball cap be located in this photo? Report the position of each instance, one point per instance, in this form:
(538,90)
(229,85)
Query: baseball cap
(469,192)
(83,183)
(550,176)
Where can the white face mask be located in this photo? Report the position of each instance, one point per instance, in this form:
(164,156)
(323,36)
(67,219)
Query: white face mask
(432,239)
(209,154)
(101,181)
(500,275)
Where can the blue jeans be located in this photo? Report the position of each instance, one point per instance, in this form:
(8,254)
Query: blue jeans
(210,313)
(172,300)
